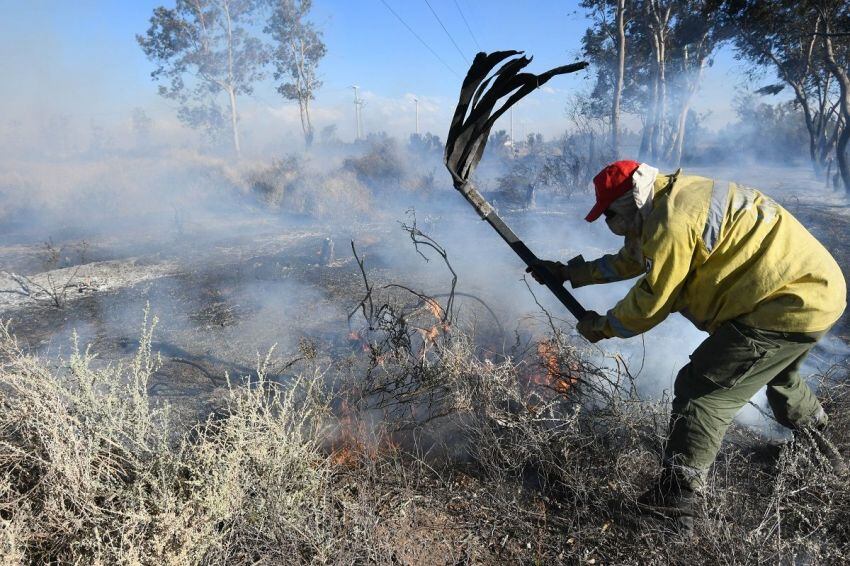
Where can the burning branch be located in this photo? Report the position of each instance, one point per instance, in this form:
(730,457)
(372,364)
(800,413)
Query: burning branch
(419,238)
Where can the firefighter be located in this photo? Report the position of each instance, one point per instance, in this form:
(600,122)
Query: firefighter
(741,268)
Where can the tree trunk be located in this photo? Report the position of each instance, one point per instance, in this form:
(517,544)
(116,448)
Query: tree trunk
(679,142)
(822,123)
(231,88)
(658,19)
(656,104)
(306,126)
(644,137)
(647,143)
(827,143)
(621,69)
(841,156)
(843,79)
(661,116)
(803,101)
(302,82)
(308,131)
(234,122)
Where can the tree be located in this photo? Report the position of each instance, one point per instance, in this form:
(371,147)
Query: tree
(657,18)
(787,35)
(696,33)
(836,54)
(596,41)
(202,49)
(621,71)
(297,52)
(499,144)
(425,144)
(669,44)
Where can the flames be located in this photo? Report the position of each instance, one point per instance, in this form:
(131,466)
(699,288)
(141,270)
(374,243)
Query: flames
(355,441)
(357,340)
(435,308)
(430,334)
(551,372)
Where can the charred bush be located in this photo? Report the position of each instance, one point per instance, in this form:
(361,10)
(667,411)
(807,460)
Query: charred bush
(275,184)
(297,185)
(381,165)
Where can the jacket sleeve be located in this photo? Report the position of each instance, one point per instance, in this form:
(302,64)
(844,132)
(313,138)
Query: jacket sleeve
(606,269)
(669,249)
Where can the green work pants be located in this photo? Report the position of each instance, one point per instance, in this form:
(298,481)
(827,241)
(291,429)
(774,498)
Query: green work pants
(725,371)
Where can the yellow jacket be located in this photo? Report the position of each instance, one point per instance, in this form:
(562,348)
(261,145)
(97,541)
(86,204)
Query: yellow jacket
(716,251)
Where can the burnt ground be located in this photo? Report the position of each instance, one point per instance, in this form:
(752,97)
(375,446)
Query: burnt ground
(217,302)
(221,299)
(225,290)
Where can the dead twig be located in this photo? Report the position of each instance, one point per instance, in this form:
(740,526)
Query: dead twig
(366,305)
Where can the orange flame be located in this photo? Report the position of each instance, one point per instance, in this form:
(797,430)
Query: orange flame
(555,377)
(431,334)
(356,338)
(435,309)
(355,442)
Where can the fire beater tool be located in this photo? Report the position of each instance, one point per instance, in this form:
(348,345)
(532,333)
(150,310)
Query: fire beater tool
(475,114)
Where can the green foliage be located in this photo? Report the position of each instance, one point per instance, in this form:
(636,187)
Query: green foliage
(297,50)
(202,49)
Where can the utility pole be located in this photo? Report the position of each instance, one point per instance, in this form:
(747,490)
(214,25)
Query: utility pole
(513,149)
(512,128)
(358,128)
(416,102)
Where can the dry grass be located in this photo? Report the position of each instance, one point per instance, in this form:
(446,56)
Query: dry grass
(92,471)
(492,464)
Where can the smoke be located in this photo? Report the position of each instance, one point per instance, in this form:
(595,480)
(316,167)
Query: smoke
(247,236)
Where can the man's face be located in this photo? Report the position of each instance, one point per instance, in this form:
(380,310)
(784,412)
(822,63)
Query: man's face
(617,223)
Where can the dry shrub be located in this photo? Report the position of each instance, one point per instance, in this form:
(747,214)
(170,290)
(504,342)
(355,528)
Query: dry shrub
(381,164)
(276,183)
(294,185)
(552,474)
(91,471)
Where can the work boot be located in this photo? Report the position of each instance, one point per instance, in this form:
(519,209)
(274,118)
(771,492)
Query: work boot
(673,499)
(814,438)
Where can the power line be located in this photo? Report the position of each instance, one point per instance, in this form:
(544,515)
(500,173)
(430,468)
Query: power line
(422,41)
(467,26)
(439,21)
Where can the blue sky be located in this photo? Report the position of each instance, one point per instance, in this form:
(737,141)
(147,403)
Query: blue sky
(81,59)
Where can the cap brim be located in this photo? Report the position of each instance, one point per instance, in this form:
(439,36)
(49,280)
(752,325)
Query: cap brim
(596,211)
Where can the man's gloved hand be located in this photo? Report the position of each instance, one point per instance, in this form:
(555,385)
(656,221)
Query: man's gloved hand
(592,326)
(559,271)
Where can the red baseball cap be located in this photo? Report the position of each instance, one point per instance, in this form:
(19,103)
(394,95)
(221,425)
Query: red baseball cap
(611,183)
